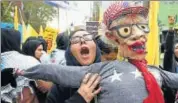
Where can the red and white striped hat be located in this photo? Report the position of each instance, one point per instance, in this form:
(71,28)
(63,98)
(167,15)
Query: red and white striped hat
(122,8)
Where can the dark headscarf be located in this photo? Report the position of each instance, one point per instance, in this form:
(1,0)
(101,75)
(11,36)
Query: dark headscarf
(71,60)
(62,41)
(44,43)
(30,46)
(10,40)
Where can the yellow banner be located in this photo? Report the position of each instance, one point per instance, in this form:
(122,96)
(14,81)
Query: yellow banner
(24,31)
(50,35)
(16,18)
(153,37)
(28,32)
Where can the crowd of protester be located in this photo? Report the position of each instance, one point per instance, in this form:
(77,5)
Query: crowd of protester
(36,47)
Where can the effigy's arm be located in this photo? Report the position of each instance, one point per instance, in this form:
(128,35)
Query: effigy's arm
(63,75)
(69,76)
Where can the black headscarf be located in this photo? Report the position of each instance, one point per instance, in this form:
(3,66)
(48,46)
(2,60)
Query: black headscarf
(71,60)
(44,43)
(30,46)
(10,40)
(62,41)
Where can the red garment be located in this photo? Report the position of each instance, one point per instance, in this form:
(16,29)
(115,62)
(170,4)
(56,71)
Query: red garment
(155,94)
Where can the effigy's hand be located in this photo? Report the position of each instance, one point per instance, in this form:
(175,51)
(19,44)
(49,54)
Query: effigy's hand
(88,88)
(18,72)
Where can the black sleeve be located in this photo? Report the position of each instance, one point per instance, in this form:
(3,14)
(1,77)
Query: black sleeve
(76,98)
(8,77)
(56,95)
(59,94)
(169,52)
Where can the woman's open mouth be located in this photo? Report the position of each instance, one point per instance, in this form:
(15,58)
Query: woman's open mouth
(84,51)
(138,47)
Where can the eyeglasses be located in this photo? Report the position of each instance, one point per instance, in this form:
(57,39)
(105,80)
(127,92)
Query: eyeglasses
(126,30)
(77,39)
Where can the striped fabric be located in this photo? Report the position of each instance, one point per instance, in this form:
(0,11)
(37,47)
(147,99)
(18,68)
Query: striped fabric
(13,59)
(120,8)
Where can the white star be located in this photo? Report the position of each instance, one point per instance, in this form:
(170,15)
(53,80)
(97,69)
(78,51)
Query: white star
(155,74)
(116,76)
(137,74)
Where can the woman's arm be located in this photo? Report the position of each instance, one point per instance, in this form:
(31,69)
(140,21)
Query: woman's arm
(169,79)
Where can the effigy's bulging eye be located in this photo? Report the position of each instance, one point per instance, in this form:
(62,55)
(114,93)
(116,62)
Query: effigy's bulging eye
(125,31)
(144,27)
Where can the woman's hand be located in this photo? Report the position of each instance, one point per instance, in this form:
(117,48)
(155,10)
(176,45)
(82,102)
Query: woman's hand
(44,86)
(88,87)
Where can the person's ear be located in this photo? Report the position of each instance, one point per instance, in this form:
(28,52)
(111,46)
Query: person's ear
(111,37)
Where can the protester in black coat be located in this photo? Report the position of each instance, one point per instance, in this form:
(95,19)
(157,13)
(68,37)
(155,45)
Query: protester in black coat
(170,58)
(10,41)
(60,94)
(31,47)
(170,62)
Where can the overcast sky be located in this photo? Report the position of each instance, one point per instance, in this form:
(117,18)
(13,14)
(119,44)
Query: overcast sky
(66,17)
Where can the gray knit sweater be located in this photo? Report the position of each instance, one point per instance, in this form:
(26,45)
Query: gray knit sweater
(121,81)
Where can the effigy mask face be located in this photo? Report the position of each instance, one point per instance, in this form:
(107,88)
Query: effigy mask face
(130,32)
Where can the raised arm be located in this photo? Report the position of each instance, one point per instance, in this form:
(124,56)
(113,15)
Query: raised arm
(169,52)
